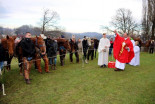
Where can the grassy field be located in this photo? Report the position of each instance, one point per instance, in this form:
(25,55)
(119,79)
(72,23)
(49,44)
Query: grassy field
(90,84)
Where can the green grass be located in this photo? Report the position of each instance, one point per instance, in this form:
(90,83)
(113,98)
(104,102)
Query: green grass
(74,84)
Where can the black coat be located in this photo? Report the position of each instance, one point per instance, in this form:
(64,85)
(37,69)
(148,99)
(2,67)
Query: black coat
(28,47)
(85,45)
(51,47)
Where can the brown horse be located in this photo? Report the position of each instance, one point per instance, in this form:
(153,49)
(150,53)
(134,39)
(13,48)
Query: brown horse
(40,53)
(8,45)
(63,45)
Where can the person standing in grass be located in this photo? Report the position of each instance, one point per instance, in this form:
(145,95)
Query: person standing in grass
(85,48)
(111,46)
(103,50)
(123,51)
(136,60)
(152,44)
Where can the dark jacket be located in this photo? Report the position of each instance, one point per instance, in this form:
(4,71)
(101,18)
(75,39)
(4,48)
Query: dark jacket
(51,47)
(2,54)
(152,45)
(28,47)
(85,45)
(111,44)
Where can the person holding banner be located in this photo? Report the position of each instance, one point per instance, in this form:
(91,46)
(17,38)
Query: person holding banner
(123,51)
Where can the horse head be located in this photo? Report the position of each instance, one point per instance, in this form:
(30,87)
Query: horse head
(8,44)
(40,44)
(67,45)
(64,42)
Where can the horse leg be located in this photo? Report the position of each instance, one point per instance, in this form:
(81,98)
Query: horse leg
(61,58)
(20,65)
(35,65)
(26,70)
(38,63)
(71,57)
(92,54)
(46,63)
(95,52)
(77,57)
(55,63)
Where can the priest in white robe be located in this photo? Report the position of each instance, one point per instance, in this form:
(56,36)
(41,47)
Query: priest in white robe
(136,60)
(103,50)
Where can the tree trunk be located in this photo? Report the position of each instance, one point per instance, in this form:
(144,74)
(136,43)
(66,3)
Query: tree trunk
(153,28)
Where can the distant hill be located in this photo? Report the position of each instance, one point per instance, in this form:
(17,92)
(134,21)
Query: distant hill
(87,34)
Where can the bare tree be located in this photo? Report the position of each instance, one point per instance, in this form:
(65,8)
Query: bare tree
(49,20)
(148,21)
(124,22)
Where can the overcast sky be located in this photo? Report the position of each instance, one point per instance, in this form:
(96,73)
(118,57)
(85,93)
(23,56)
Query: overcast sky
(75,15)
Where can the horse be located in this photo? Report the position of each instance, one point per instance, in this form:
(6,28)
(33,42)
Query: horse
(63,45)
(74,49)
(51,50)
(8,45)
(96,43)
(40,53)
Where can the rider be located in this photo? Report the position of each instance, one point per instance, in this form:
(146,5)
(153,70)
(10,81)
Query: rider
(28,50)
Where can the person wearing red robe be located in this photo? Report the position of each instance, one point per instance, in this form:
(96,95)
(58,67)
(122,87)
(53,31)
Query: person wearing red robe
(123,51)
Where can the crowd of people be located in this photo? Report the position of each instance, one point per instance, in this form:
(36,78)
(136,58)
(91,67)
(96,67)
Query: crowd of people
(124,49)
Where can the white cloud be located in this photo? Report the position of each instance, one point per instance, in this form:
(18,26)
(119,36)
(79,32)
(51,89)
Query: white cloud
(76,15)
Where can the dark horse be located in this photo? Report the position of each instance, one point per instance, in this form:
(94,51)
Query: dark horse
(63,46)
(74,49)
(51,50)
(8,45)
(96,43)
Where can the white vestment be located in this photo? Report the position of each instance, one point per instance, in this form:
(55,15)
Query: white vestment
(133,60)
(103,56)
(120,65)
(136,60)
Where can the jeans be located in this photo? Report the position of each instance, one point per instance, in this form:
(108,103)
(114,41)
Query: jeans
(53,59)
(110,51)
(1,65)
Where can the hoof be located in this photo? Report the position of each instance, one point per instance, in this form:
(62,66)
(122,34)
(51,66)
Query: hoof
(48,72)
(28,81)
(41,72)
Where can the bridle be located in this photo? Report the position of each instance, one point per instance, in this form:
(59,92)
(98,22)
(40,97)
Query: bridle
(38,45)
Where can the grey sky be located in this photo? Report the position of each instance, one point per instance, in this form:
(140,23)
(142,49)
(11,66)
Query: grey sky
(75,15)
